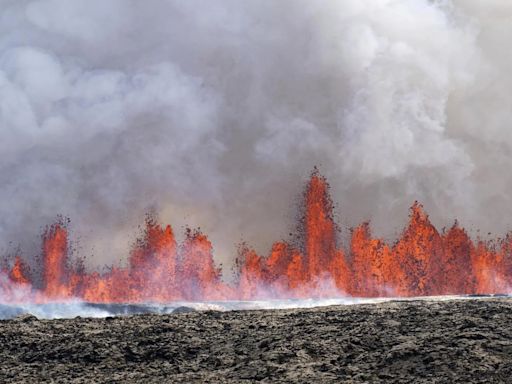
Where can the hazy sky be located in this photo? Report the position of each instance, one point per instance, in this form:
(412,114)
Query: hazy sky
(213,113)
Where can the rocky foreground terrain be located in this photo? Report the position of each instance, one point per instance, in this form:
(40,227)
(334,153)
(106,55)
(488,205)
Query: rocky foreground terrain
(457,341)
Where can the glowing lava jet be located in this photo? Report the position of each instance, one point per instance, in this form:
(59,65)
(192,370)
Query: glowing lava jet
(422,261)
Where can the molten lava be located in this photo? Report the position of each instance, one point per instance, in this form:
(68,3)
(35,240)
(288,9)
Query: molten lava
(421,262)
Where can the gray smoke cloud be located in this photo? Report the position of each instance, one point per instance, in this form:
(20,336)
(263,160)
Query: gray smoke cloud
(213,113)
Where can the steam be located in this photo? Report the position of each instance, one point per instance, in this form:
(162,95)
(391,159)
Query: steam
(71,309)
(212,114)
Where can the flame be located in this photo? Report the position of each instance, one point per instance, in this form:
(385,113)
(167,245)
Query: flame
(19,272)
(422,261)
(55,244)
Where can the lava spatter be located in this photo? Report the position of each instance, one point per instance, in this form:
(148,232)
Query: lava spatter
(422,261)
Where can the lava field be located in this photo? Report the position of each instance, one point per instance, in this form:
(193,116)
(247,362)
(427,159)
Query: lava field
(420,341)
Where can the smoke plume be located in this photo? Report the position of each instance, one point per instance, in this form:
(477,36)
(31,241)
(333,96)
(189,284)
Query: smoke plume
(212,114)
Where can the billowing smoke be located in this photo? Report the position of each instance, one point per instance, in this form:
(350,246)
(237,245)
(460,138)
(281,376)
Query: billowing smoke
(212,114)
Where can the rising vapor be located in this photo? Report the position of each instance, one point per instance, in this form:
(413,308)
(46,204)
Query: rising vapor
(199,111)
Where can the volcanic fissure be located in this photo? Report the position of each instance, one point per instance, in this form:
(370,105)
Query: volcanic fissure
(423,261)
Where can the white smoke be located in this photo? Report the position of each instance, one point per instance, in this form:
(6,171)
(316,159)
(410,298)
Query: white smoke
(74,308)
(212,114)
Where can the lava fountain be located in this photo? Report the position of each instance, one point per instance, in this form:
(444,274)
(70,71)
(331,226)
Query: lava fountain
(422,262)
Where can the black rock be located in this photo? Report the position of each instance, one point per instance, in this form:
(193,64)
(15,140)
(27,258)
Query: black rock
(26,318)
(423,341)
(183,309)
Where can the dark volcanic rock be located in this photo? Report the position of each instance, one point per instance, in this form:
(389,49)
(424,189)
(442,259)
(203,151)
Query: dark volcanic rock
(183,309)
(25,318)
(465,341)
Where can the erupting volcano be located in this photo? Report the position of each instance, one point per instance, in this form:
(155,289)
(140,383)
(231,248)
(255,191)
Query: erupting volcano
(423,261)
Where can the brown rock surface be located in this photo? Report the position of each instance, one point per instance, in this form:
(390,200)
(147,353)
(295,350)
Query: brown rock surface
(466,341)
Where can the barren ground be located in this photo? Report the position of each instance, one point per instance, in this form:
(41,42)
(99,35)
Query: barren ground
(466,341)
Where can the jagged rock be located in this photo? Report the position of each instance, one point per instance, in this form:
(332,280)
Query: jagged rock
(183,309)
(26,318)
(464,341)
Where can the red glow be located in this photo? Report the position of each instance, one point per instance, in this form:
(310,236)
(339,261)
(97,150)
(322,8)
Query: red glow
(55,243)
(421,262)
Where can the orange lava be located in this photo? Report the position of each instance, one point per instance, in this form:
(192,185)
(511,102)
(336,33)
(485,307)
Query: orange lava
(55,273)
(422,261)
